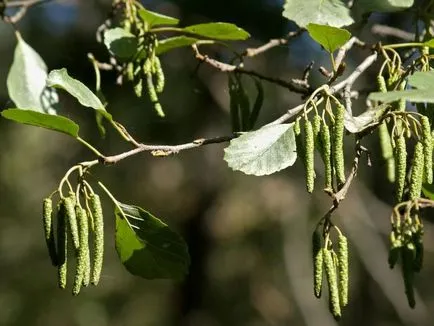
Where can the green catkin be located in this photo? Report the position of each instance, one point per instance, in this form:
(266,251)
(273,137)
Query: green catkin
(417,169)
(157,70)
(96,209)
(83,251)
(151,88)
(381,84)
(316,127)
(427,149)
(72,219)
(130,71)
(334,304)
(62,245)
(395,248)
(400,153)
(298,141)
(317,255)
(407,256)
(338,145)
(47,209)
(387,151)
(343,270)
(326,155)
(309,156)
(138,88)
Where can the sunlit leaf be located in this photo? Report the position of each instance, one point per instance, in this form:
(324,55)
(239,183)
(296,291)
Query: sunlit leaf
(43,120)
(324,12)
(331,38)
(120,43)
(26,80)
(154,19)
(61,79)
(218,31)
(147,247)
(174,42)
(264,151)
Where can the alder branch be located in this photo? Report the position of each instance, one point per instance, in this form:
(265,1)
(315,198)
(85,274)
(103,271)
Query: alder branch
(22,9)
(251,52)
(165,150)
(294,85)
(384,30)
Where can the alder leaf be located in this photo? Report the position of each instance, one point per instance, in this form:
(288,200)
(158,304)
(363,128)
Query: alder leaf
(43,120)
(336,12)
(331,38)
(423,91)
(147,247)
(120,43)
(218,31)
(61,79)
(264,151)
(154,19)
(324,12)
(27,80)
(174,42)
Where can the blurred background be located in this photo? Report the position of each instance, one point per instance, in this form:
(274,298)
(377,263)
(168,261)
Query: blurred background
(249,237)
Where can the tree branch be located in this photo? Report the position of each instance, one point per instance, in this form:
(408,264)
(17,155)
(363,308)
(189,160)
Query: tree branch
(165,150)
(251,52)
(293,85)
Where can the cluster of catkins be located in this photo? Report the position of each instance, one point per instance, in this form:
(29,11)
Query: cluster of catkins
(145,69)
(329,141)
(73,223)
(406,237)
(335,265)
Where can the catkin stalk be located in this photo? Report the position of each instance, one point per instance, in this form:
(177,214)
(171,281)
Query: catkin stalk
(400,153)
(72,219)
(427,149)
(407,256)
(417,170)
(334,304)
(317,255)
(47,209)
(387,151)
(62,245)
(98,254)
(309,156)
(326,154)
(343,270)
(83,251)
(338,145)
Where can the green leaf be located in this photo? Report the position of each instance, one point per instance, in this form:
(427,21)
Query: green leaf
(154,19)
(44,120)
(26,80)
(336,12)
(264,151)
(218,31)
(120,43)
(61,79)
(429,43)
(174,42)
(324,12)
(364,120)
(428,190)
(423,92)
(331,38)
(147,247)
(364,6)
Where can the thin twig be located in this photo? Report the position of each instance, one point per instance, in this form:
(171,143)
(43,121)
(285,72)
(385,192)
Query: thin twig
(293,86)
(384,30)
(165,150)
(251,52)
